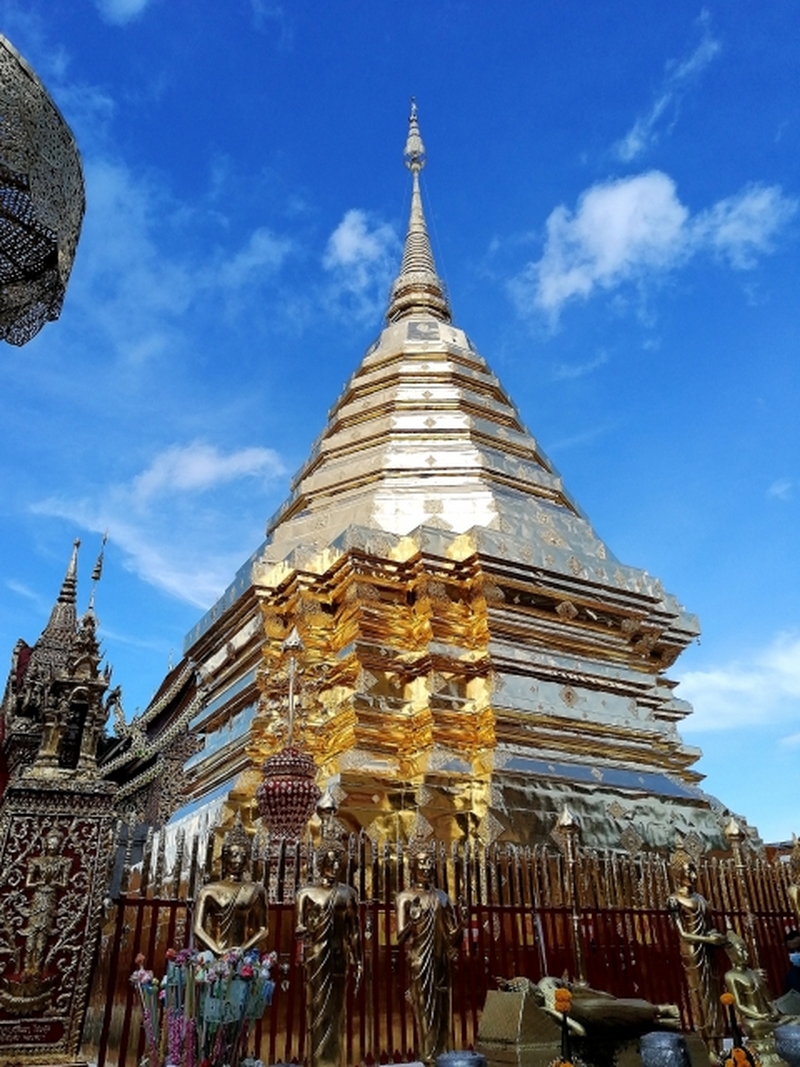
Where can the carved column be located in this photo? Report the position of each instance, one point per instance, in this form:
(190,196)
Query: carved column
(55,837)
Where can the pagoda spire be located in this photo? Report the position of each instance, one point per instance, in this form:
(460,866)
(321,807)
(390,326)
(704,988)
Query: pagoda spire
(63,616)
(417,288)
(51,650)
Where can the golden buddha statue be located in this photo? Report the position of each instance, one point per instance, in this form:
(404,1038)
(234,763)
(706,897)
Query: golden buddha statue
(232,913)
(428,926)
(691,915)
(754,1007)
(755,1012)
(328,924)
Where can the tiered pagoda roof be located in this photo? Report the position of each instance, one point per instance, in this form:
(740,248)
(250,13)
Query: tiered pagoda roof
(475,656)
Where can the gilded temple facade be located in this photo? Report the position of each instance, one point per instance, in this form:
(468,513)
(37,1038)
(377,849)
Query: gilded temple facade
(475,657)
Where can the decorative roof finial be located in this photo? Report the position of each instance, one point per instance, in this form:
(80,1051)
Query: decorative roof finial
(69,585)
(414,153)
(53,646)
(417,290)
(97,573)
(63,616)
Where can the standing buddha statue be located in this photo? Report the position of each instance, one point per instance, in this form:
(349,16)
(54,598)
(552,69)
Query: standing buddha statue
(327,922)
(698,938)
(428,926)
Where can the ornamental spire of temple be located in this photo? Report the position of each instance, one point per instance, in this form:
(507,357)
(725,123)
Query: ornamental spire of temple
(63,617)
(417,288)
(51,650)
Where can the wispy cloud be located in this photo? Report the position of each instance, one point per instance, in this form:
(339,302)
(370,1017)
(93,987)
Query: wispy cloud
(782,489)
(269,15)
(633,228)
(742,227)
(579,440)
(760,689)
(138,272)
(198,467)
(142,516)
(263,254)
(570,371)
(361,257)
(120,12)
(680,74)
(27,594)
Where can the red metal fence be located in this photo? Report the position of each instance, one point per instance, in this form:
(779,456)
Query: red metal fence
(521,909)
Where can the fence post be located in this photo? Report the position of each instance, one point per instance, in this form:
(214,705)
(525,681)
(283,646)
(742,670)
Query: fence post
(735,835)
(570,831)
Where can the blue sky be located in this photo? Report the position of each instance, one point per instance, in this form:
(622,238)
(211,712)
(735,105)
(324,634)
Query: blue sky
(613,193)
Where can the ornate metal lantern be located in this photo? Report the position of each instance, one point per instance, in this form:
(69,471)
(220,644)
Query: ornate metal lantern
(42,201)
(289,793)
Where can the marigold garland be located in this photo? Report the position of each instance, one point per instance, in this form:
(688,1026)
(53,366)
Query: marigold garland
(739,1055)
(563,1000)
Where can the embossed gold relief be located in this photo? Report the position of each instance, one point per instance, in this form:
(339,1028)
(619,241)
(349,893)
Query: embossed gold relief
(395,661)
(402,660)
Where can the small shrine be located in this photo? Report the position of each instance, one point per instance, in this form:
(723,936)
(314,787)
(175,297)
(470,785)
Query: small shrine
(56,819)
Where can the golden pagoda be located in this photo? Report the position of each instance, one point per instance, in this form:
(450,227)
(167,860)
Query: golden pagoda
(473,656)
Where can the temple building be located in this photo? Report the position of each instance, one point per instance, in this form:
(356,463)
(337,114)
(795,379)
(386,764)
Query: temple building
(474,657)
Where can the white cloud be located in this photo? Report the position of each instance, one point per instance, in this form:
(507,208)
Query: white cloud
(782,489)
(274,16)
(172,536)
(139,269)
(762,689)
(198,467)
(120,12)
(632,228)
(264,253)
(743,226)
(644,132)
(571,371)
(361,257)
(27,594)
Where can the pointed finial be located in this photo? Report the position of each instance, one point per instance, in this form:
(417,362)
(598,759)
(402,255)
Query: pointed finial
(326,809)
(294,642)
(414,153)
(733,831)
(417,290)
(63,616)
(69,585)
(54,642)
(566,820)
(293,645)
(97,573)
